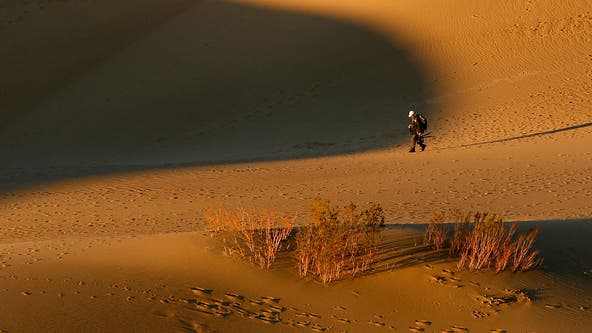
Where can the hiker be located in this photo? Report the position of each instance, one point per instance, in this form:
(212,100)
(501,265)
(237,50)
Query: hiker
(417,127)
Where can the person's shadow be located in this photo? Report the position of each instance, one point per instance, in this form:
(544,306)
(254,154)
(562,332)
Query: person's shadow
(530,135)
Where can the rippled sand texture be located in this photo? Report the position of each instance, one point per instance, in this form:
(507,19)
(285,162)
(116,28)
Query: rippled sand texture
(121,122)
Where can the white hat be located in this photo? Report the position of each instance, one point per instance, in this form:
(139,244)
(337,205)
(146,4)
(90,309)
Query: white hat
(411,113)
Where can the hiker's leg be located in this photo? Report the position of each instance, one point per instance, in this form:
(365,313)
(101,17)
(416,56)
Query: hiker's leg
(413,142)
(421,143)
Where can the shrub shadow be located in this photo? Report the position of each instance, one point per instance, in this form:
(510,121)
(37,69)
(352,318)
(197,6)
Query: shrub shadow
(400,246)
(564,246)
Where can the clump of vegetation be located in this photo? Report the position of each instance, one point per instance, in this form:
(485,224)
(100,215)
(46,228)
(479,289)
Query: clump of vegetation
(258,237)
(338,242)
(460,233)
(435,234)
(483,240)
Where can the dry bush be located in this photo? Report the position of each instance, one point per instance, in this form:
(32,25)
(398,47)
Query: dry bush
(259,237)
(304,253)
(460,233)
(336,242)
(436,233)
(483,240)
(486,241)
(523,257)
(506,248)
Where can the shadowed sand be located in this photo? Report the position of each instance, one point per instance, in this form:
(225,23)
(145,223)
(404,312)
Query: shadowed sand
(191,91)
(121,123)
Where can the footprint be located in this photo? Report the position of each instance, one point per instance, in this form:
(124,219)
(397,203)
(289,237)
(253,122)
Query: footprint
(376,323)
(318,328)
(267,320)
(269,313)
(199,305)
(220,302)
(270,299)
(243,312)
(236,304)
(302,323)
(256,302)
(479,314)
(223,312)
(422,322)
(341,320)
(289,322)
(438,279)
(234,297)
(300,313)
(202,291)
(277,308)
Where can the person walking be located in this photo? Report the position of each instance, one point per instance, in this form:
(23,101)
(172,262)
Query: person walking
(417,127)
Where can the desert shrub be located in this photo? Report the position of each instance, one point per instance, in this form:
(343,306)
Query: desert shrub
(460,233)
(338,242)
(492,244)
(482,240)
(436,233)
(523,257)
(486,243)
(256,236)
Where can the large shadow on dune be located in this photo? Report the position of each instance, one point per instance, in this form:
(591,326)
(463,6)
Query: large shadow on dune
(563,245)
(219,83)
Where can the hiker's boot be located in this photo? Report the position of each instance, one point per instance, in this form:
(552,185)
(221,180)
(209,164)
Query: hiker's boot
(422,146)
(412,150)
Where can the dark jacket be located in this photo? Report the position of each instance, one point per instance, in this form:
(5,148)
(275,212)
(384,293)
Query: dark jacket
(414,126)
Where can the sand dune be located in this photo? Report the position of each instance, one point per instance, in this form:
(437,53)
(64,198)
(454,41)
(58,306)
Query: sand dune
(182,283)
(121,122)
(266,85)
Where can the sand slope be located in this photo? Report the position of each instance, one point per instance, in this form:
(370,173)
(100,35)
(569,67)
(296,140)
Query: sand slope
(145,284)
(121,122)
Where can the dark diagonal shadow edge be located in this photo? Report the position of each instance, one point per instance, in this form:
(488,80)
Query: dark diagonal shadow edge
(570,128)
(273,85)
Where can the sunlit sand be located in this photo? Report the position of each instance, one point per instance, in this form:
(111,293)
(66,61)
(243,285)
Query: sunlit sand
(122,123)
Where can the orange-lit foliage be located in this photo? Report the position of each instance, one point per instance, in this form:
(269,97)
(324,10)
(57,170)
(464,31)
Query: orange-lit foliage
(258,237)
(338,242)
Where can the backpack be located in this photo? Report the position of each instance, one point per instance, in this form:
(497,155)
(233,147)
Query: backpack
(422,122)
